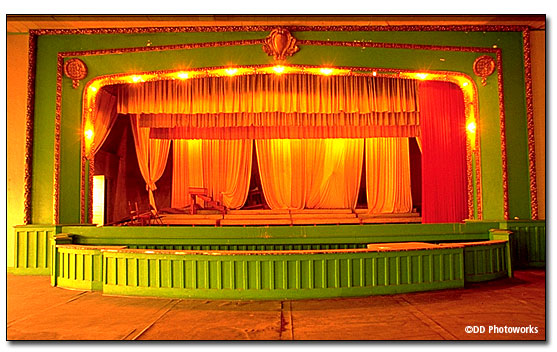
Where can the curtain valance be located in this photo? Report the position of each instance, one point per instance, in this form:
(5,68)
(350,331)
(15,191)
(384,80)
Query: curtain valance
(289,93)
(267,119)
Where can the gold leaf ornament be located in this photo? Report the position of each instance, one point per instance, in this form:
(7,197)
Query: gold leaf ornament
(484,66)
(75,69)
(280,44)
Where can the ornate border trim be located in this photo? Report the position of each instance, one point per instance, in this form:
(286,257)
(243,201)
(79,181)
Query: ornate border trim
(29,130)
(296,28)
(503,134)
(57,127)
(530,124)
(471,99)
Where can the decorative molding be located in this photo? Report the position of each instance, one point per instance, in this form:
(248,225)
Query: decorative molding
(76,70)
(448,76)
(469,179)
(530,124)
(483,67)
(503,135)
(29,130)
(340,28)
(370,44)
(280,44)
(57,127)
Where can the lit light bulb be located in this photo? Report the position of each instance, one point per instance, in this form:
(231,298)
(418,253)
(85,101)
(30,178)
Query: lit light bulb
(136,79)
(182,75)
(89,134)
(231,71)
(93,88)
(326,71)
(471,127)
(421,75)
(374,73)
(465,84)
(278,69)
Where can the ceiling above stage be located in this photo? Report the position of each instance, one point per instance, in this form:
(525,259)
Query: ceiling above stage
(23,23)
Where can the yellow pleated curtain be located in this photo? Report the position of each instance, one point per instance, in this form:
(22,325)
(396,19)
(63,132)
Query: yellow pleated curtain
(310,173)
(102,121)
(152,155)
(388,175)
(223,167)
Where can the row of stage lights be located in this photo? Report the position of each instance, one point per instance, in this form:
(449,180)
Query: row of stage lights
(237,71)
(278,70)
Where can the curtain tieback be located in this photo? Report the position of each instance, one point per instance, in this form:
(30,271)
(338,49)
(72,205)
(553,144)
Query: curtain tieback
(150,186)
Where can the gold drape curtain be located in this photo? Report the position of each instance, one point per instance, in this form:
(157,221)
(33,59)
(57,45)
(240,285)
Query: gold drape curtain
(292,106)
(310,173)
(290,93)
(152,155)
(221,166)
(388,175)
(102,121)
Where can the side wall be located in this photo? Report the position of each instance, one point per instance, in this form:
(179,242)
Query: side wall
(17,66)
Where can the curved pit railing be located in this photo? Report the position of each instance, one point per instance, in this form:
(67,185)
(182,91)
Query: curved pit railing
(384,268)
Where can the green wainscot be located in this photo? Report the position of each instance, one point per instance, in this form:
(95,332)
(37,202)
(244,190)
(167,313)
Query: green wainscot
(31,249)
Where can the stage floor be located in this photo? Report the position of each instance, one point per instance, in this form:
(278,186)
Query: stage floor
(264,217)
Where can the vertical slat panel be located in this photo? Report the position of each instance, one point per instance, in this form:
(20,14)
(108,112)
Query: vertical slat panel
(233,274)
(284,274)
(387,271)
(397,270)
(207,277)
(336,273)
(362,272)
(297,275)
(374,272)
(272,274)
(26,250)
(311,273)
(409,269)
(194,273)
(219,274)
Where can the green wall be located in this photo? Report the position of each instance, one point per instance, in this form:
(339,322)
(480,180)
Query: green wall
(513,69)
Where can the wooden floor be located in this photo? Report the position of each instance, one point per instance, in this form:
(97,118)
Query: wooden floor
(262,217)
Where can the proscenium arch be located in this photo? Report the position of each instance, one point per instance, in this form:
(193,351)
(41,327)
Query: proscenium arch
(462,80)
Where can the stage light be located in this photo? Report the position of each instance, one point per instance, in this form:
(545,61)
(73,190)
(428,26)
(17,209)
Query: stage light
(471,127)
(183,75)
(231,71)
(326,71)
(136,79)
(421,76)
(278,69)
(89,134)
(374,73)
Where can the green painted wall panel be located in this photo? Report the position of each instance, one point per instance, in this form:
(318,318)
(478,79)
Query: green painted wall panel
(528,242)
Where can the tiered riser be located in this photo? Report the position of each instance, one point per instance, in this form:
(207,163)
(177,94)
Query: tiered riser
(263,217)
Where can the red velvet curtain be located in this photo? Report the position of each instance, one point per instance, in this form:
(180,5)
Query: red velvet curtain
(443,129)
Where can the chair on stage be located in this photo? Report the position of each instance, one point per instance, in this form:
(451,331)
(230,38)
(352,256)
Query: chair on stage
(203,193)
(148,218)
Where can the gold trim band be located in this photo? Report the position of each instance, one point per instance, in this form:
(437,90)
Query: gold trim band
(530,124)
